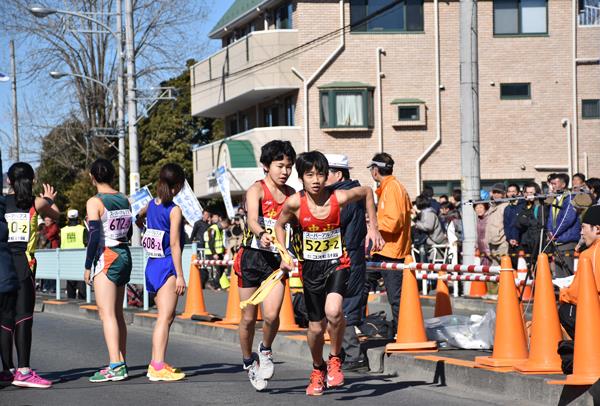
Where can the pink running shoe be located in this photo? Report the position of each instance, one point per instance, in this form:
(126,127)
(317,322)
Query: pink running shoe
(31,380)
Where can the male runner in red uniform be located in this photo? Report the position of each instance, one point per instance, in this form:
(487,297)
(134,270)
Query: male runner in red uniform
(258,258)
(326,265)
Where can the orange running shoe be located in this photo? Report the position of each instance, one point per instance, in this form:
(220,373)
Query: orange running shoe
(316,386)
(335,376)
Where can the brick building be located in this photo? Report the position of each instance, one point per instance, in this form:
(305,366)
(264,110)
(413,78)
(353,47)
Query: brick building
(390,81)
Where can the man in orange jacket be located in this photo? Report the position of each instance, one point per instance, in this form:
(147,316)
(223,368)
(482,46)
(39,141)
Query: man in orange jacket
(590,232)
(393,216)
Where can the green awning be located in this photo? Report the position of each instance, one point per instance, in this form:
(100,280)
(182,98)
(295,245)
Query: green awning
(345,85)
(407,101)
(241,154)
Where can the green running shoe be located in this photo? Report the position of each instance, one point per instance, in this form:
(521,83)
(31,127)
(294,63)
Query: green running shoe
(109,374)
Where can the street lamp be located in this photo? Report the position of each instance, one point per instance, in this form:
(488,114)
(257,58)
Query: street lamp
(41,12)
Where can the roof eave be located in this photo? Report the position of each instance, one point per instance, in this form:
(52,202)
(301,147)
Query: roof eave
(214,34)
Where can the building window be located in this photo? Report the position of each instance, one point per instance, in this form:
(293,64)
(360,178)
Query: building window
(408,113)
(283,17)
(233,126)
(271,116)
(590,109)
(346,108)
(589,12)
(513,17)
(514,91)
(290,110)
(245,123)
(406,15)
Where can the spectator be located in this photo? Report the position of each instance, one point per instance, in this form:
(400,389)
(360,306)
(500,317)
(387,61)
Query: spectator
(590,231)
(235,237)
(428,193)
(354,230)
(563,226)
(428,222)
(42,241)
(456,198)
(451,222)
(494,231)
(200,228)
(593,185)
(481,210)
(74,236)
(578,182)
(214,248)
(393,217)
(443,199)
(510,217)
(530,221)
(52,235)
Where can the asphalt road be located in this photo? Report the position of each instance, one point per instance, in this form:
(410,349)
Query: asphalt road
(69,350)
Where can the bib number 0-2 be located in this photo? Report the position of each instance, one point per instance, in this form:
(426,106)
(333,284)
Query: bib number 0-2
(18,227)
(323,245)
(152,241)
(269,225)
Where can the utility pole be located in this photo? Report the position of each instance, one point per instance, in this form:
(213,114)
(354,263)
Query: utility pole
(469,124)
(121,101)
(134,170)
(15,117)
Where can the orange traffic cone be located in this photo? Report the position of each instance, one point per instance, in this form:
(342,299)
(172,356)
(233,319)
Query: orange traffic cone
(522,272)
(510,342)
(411,330)
(287,322)
(233,314)
(477,289)
(545,329)
(194,300)
(443,305)
(586,358)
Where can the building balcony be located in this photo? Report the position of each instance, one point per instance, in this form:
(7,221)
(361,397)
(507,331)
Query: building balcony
(244,73)
(240,154)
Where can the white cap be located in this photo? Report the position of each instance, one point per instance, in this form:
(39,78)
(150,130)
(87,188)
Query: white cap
(72,214)
(338,161)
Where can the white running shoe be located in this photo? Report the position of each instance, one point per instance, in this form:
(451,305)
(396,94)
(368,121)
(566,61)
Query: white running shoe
(254,374)
(265,358)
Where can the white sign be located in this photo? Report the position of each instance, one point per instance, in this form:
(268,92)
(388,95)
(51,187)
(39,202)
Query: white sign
(223,181)
(140,199)
(189,204)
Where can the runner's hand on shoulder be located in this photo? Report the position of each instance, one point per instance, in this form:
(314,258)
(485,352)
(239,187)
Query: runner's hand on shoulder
(180,285)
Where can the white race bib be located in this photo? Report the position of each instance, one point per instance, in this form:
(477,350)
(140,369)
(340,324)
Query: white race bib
(118,223)
(269,225)
(322,246)
(152,241)
(18,226)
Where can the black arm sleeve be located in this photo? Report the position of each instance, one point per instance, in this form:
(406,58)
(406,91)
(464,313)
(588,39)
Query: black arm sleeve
(94,241)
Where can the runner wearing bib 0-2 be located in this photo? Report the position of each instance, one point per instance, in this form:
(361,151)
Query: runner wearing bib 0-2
(326,265)
(22,236)
(113,256)
(253,263)
(157,244)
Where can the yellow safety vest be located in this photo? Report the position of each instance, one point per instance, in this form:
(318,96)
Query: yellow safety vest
(72,237)
(219,247)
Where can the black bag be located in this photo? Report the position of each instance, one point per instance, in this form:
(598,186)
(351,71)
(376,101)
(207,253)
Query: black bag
(376,325)
(300,314)
(566,348)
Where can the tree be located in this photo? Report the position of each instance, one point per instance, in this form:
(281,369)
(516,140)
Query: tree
(168,132)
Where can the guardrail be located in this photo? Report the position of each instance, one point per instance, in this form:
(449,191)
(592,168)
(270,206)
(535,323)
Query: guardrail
(68,265)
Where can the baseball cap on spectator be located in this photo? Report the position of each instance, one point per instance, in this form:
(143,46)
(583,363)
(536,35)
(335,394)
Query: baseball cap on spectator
(338,161)
(499,187)
(72,214)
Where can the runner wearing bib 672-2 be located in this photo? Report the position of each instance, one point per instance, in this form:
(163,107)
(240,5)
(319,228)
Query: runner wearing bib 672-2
(108,263)
(325,262)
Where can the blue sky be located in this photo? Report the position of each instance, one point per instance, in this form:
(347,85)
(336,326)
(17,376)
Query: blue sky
(29,91)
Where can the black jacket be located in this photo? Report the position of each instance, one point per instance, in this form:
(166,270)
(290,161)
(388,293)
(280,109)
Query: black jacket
(354,231)
(529,222)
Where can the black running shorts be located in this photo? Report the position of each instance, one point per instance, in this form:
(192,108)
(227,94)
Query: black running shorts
(254,266)
(321,278)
